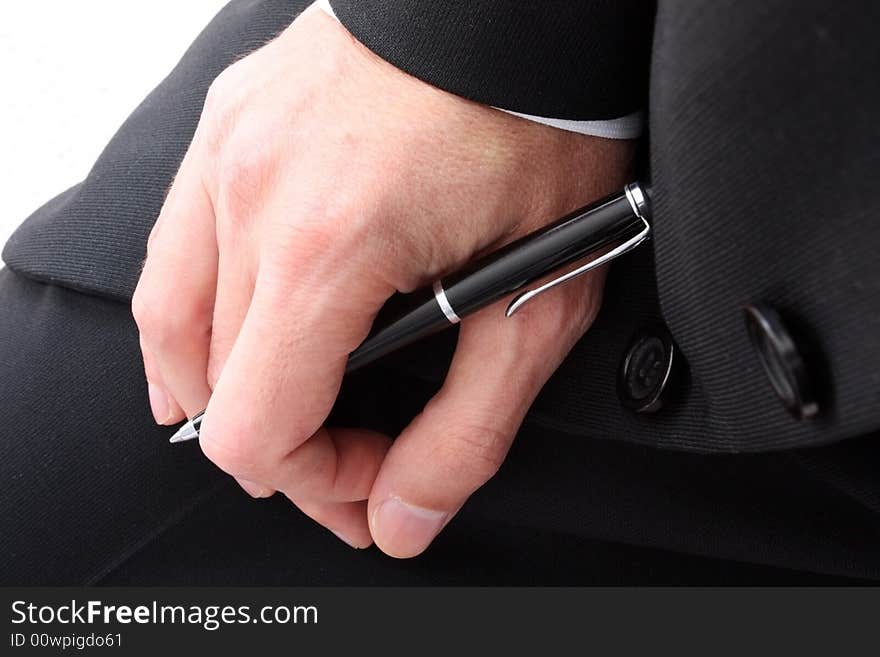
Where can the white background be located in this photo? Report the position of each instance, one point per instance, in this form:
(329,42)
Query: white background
(70,73)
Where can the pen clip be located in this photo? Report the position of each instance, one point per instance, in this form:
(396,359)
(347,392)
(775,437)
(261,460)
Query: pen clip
(638,202)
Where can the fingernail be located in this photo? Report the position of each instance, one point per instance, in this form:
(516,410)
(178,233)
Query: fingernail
(159,403)
(406,530)
(253,489)
(345,539)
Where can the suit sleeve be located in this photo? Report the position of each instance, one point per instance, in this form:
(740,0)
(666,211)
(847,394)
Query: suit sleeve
(576,60)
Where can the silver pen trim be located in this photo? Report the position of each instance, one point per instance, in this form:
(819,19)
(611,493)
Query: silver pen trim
(637,200)
(443,302)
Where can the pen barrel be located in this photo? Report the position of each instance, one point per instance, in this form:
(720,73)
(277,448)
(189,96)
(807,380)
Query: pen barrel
(404,319)
(523,261)
(408,318)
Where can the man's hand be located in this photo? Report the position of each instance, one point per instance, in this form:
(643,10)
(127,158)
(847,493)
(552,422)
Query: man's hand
(320,181)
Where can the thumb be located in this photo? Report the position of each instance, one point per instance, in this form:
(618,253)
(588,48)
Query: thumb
(464,433)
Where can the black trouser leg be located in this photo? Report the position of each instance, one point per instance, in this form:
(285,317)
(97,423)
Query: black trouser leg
(94,493)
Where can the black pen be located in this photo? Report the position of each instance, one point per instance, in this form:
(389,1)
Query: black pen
(621,220)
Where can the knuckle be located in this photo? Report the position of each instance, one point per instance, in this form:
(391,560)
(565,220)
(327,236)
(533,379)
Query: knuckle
(151,238)
(221,111)
(591,304)
(572,303)
(215,368)
(315,477)
(309,246)
(372,223)
(325,237)
(473,452)
(356,227)
(139,309)
(216,94)
(143,308)
(578,311)
(230,449)
(164,322)
(561,317)
(224,87)
(246,172)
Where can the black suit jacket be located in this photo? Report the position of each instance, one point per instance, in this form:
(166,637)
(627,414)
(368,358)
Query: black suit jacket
(763,151)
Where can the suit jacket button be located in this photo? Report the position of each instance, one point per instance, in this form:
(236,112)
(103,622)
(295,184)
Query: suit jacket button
(649,371)
(781,359)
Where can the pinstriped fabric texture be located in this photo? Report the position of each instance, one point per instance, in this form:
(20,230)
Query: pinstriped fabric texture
(765,155)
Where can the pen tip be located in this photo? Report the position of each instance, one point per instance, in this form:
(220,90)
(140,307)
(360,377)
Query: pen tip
(186,432)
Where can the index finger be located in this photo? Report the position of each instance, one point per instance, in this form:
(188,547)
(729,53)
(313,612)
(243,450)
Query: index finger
(174,299)
(281,379)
